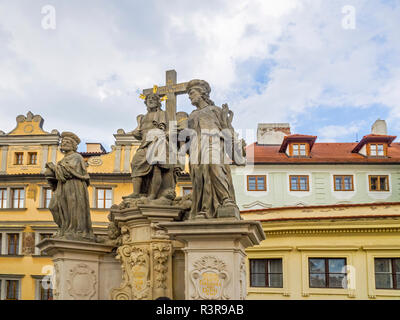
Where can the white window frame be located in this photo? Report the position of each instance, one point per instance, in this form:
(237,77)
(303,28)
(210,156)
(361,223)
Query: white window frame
(94,195)
(42,194)
(3,281)
(4,240)
(38,284)
(10,195)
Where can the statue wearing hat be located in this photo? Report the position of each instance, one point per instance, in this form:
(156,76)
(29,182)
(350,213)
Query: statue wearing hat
(69,203)
(211,151)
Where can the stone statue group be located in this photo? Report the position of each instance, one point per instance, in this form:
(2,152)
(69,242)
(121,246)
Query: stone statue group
(206,136)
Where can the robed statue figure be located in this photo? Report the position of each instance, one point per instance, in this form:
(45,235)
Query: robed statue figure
(212,146)
(69,203)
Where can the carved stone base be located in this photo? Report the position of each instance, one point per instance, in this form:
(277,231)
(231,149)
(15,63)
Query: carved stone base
(215,256)
(146,253)
(82,270)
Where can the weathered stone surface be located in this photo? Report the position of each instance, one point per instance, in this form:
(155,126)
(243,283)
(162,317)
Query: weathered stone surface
(215,255)
(82,270)
(69,203)
(213,145)
(146,252)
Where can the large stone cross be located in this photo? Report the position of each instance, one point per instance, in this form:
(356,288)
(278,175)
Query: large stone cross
(171,90)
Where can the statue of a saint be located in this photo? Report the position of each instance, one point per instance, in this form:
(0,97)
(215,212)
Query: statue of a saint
(69,203)
(152,175)
(213,194)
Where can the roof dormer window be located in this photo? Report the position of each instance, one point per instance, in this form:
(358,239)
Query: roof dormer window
(297,145)
(377,149)
(374,145)
(299,149)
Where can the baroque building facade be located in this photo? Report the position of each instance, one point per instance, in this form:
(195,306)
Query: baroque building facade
(330,213)
(25,194)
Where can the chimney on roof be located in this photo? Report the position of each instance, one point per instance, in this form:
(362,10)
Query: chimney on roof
(272,133)
(379,127)
(94,148)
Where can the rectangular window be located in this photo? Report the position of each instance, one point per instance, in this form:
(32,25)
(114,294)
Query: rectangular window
(46,292)
(378,183)
(299,183)
(266,273)
(299,149)
(327,272)
(104,197)
(377,150)
(3,198)
(13,243)
(32,158)
(256,183)
(19,158)
(343,183)
(12,289)
(387,273)
(18,198)
(47,193)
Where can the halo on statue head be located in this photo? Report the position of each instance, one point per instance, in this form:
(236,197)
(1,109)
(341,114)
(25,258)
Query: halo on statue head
(155,89)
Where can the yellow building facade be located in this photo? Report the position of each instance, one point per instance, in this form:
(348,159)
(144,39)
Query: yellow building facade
(297,259)
(302,244)
(25,194)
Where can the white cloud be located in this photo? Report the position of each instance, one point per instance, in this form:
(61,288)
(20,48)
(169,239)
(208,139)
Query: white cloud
(85,76)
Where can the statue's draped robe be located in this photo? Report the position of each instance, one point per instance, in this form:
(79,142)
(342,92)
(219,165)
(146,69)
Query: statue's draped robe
(212,183)
(153,150)
(70,201)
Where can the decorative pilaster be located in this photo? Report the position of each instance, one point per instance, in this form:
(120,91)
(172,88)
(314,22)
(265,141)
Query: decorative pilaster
(215,255)
(145,253)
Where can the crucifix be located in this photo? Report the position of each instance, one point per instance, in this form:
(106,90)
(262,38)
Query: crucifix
(171,90)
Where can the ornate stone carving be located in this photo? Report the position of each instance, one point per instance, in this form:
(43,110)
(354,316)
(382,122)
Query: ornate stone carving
(210,279)
(82,282)
(157,232)
(95,161)
(135,273)
(28,243)
(161,254)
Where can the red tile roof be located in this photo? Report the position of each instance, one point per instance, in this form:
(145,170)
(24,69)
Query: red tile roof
(321,153)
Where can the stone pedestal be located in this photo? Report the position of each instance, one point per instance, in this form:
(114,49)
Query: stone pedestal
(146,253)
(215,265)
(82,270)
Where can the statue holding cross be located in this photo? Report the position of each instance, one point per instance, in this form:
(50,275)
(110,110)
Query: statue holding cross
(170,91)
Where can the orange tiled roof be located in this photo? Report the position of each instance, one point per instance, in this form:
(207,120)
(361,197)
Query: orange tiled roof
(320,153)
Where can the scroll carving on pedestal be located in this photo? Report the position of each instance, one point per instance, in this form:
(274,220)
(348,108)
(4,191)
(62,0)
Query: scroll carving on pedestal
(210,278)
(135,269)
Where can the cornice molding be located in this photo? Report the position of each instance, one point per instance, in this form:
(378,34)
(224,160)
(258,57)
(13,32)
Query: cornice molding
(336,230)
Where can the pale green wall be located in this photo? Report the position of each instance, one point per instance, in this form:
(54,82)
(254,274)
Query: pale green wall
(321,185)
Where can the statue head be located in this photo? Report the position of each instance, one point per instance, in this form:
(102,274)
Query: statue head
(69,141)
(153,102)
(199,89)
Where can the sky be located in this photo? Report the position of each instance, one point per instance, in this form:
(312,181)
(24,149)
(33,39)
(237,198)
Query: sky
(329,68)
